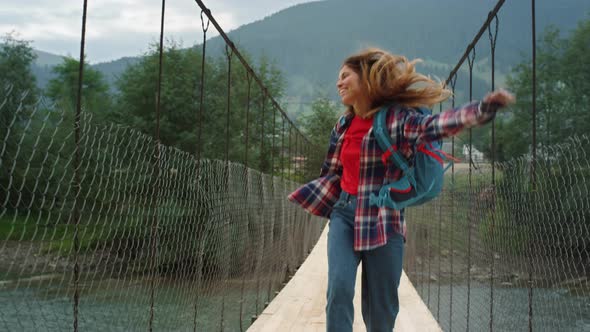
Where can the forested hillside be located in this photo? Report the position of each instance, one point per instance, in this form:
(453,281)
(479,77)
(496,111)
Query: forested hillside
(307,42)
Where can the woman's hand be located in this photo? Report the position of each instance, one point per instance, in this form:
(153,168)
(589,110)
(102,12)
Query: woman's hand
(500,98)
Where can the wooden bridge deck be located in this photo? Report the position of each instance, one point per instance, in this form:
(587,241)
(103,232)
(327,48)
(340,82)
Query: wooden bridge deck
(300,305)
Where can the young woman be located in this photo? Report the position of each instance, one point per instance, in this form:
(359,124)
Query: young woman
(353,169)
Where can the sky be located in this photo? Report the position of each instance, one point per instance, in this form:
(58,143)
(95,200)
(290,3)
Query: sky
(117,28)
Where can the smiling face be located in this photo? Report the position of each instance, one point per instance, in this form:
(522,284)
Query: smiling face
(349,86)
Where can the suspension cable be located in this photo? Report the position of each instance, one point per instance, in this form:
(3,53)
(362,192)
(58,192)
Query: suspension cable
(245,63)
(475,40)
(77,181)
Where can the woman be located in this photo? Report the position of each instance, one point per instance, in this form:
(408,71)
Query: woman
(353,169)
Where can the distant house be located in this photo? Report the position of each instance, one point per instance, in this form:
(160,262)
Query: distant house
(299,161)
(476,155)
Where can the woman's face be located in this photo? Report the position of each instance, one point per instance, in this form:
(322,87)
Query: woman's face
(349,86)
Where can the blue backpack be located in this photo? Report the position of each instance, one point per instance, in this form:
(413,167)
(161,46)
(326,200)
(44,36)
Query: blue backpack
(419,184)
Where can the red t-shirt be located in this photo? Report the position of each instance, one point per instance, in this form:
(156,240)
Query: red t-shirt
(350,154)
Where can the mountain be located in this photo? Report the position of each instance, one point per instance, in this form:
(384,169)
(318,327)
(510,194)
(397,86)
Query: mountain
(44,63)
(309,41)
(47,59)
(112,69)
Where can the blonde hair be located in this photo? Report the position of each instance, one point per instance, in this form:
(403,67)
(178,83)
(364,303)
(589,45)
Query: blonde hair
(389,78)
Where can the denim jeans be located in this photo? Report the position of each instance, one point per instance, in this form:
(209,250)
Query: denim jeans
(381,272)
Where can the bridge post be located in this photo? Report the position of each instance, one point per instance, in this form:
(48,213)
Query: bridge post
(493,37)
(77,182)
(534,152)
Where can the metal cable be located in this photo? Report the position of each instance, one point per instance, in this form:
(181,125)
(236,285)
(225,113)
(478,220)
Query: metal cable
(493,38)
(198,276)
(77,166)
(244,62)
(533,147)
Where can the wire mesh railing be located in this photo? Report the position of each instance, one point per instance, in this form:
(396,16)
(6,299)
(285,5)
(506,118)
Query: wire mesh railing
(506,246)
(105,227)
(225,241)
(474,253)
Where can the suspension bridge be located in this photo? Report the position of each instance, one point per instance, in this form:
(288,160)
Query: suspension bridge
(104,227)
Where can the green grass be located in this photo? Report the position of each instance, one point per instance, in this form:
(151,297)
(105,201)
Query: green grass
(492,226)
(16,228)
(460,180)
(58,238)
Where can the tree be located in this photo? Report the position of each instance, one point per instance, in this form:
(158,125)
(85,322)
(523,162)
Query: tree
(138,86)
(562,98)
(563,73)
(180,101)
(317,126)
(576,79)
(18,96)
(63,89)
(17,82)
(18,91)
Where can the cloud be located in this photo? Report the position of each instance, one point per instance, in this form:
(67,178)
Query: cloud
(117,28)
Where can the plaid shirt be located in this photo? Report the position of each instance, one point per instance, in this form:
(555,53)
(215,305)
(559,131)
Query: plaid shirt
(374,225)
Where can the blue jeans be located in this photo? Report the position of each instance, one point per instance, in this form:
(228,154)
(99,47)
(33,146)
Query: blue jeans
(382,268)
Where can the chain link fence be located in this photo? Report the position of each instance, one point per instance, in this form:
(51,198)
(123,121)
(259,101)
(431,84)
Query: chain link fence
(120,233)
(500,257)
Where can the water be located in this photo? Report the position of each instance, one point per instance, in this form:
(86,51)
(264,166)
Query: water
(124,306)
(553,309)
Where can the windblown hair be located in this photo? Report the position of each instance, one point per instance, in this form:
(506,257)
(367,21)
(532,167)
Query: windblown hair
(389,78)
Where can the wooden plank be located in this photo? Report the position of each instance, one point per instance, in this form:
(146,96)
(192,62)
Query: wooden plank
(300,306)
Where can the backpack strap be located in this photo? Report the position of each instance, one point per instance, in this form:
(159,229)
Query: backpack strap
(387,144)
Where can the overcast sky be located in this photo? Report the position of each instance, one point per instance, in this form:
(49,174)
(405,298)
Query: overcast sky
(117,28)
